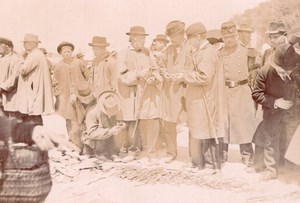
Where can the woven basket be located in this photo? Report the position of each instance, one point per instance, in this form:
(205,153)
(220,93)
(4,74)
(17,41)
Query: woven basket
(26,176)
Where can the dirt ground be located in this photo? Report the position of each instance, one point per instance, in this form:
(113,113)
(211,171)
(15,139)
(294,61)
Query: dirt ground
(140,182)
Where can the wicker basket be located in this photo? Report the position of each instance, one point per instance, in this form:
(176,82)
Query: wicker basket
(26,176)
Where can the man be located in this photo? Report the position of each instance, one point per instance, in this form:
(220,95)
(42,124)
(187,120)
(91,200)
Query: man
(244,32)
(103,71)
(158,46)
(67,74)
(277,35)
(242,121)
(172,92)
(139,82)
(34,83)
(103,128)
(8,78)
(205,98)
(270,90)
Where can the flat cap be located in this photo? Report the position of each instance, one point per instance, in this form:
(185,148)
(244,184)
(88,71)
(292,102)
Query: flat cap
(69,44)
(195,28)
(174,27)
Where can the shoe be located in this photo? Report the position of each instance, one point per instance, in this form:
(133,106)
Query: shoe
(116,159)
(168,159)
(128,159)
(266,176)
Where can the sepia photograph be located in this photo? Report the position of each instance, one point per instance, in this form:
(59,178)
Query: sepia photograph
(131,101)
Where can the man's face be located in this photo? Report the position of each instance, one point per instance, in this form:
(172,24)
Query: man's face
(99,50)
(276,39)
(137,41)
(30,45)
(4,49)
(177,39)
(245,37)
(230,40)
(195,41)
(159,45)
(66,52)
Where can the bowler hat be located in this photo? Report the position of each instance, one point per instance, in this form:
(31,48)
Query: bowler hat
(283,57)
(109,103)
(214,36)
(276,27)
(31,38)
(245,28)
(84,92)
(6,41)
(98,41)
(137,30)
(161,37)
(196,28)
(228,29)
(294,35)
(174,27)
(69,44)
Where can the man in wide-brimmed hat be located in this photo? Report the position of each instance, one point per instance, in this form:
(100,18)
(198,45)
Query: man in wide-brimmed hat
(139,81)
(172,95)
(34,84)
(67,73)
(103,70)
(276,35)
(9,65)
(242,118)
(103,130)
(271,91)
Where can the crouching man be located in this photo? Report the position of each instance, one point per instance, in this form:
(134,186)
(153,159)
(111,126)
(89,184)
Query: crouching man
(102,127)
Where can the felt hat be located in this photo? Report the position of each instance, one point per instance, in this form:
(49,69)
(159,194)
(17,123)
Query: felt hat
(283,57)
(6,41)
(161,37)
(137,30)
(214,36)
(195,28)
(276,27)
(84,92)
(98,41)
(174,27)
(228,29)
(245,28)
(31,38)
(69,44)
(109,103)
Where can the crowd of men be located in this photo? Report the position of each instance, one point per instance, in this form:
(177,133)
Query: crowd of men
(131,102)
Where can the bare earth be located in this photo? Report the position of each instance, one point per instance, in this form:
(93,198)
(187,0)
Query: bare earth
(90,180)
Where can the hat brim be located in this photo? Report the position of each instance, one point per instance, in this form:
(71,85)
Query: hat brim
(136,33)
(86,99)
(32,41)
(99,44)
(65,45)
(100,102)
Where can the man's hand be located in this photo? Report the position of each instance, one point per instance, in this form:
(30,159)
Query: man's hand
(142,73)
(177,78)
(115,130)
(73,98)
(150,80)
(283,104)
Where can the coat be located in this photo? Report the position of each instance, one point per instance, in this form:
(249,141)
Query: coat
(34,91)
(103,75)
(241,108)
(267,88)
(205,95)
(65,77)
(9,81)
(174,61)
(138,99)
